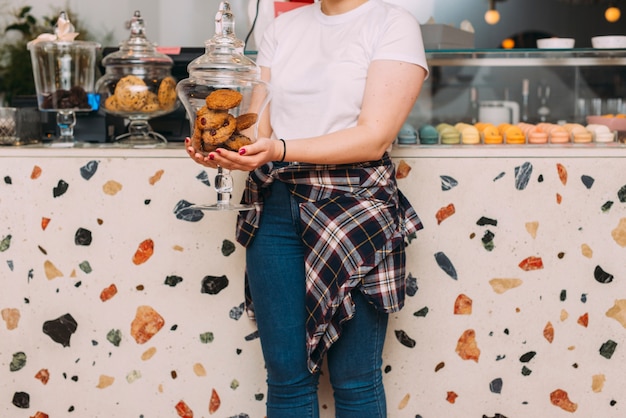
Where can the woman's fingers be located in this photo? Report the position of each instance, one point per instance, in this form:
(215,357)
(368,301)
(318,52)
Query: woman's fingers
(247,158)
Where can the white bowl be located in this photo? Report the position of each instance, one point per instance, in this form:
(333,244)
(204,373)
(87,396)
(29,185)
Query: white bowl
(555,43)
(608,42)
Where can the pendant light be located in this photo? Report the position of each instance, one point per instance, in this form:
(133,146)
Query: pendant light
(612,13)
(492,16)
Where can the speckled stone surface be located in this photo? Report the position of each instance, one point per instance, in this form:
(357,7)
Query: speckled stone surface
(118,300)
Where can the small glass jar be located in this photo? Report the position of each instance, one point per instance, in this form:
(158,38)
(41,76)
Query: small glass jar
(138,85)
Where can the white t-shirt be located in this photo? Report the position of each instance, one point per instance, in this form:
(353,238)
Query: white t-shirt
(319,63)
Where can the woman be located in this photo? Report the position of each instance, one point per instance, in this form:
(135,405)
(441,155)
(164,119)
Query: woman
(325,247)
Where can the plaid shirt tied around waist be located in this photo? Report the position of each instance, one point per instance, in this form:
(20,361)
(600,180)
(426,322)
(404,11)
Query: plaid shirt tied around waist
(355,223)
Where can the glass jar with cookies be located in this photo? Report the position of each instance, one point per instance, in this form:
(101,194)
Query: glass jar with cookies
(138,86)
(224,99)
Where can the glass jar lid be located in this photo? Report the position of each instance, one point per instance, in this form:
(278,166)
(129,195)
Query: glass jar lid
(224,56)
(137,49)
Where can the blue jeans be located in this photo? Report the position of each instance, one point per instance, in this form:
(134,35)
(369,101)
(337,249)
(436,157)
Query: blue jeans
(275,266)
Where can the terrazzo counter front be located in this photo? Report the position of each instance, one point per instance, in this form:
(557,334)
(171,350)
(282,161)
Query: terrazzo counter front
(118,300)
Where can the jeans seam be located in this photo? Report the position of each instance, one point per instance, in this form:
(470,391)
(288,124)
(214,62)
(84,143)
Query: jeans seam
(379,342)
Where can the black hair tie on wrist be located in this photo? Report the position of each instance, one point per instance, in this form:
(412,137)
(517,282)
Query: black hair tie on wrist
(284,149)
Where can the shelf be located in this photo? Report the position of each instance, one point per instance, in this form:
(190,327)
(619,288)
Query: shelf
(576,151)
(527,57)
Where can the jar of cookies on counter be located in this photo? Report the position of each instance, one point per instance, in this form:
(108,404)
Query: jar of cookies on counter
(138,85)
(224,96)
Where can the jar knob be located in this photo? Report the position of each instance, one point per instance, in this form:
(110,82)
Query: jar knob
(224,21)
(63,28)
(137,27)
(225,40)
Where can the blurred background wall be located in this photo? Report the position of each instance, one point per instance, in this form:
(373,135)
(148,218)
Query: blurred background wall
(190,22)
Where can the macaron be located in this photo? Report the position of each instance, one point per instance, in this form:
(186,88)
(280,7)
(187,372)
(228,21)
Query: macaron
(469,133)
(581,135)
(503,127)
(558,134)
(525,127)
(536,135)
(601,133)
(407,134)
(449,135)
(491,135)
(514,135)
(481,126)
(428,135)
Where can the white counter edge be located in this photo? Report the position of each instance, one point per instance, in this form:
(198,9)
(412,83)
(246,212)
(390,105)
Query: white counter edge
(613,150)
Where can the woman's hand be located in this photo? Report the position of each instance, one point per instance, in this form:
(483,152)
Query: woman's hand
(248,158)
(196,156)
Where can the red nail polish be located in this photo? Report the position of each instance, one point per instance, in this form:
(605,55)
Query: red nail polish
(218,151)
(211,157)
(242,151)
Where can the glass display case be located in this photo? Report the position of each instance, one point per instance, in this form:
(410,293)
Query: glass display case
(531,86)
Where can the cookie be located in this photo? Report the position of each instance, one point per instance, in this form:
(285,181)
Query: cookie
(130,93)
(223,99)
(196,139)
(246,120)
(167,93)
(198,144)
(210,119)
(237,141)
(151,103)
(111,103)
(222,133)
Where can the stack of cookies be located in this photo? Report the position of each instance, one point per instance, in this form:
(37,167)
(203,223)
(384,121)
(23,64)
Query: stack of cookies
(132,94)
(215,127)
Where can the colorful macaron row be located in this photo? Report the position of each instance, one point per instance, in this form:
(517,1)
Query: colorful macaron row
(520,133)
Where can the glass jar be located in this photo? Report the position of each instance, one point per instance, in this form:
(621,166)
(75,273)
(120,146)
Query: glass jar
(224,98)
(138,85)
(224,95)
(64,75)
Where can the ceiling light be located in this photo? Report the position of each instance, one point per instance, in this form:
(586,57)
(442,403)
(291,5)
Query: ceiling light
(492,16)
(508,43)
(612,14)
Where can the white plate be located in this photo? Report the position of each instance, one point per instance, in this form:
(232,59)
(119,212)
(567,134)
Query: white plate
(555,43)
(608,42)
